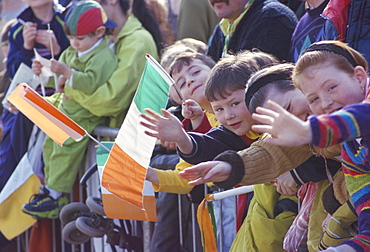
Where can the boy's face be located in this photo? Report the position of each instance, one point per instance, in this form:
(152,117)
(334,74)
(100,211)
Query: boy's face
(84,42)
(328,89)
(191,79)
(233,113)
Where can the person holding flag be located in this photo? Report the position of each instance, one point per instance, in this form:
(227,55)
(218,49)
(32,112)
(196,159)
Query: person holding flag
(28,33)
(85,65)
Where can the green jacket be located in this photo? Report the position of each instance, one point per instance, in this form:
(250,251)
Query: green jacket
(261,231)
(114,97)
(91,71)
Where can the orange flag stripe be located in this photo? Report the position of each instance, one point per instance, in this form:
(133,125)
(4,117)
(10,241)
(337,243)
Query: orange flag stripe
(33,96)
(125,176)
(46,116)
(120,209)
(209,242)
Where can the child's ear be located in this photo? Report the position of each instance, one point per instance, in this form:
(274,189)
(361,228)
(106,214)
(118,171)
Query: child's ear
(361,76)
(100,31)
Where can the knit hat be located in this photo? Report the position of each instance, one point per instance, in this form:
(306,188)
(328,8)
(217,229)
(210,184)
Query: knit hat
(86,17)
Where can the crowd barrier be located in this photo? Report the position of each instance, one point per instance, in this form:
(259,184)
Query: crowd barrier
(142,229)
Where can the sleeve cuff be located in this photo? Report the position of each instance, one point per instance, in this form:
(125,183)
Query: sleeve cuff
(237,169)
(296,177)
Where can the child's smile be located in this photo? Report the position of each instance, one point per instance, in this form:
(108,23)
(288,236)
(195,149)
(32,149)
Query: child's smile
(329,89)
(191,79)
(233,113)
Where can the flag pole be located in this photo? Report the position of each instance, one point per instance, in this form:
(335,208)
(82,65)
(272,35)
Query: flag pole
(165,75)
(52,56)
(96,141)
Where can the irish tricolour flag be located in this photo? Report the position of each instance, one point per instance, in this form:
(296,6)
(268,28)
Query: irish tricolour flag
(125,191)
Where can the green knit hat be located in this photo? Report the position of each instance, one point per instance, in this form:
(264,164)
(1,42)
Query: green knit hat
(86,17)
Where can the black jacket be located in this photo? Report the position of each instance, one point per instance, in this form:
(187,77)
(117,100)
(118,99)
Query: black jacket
(268,25)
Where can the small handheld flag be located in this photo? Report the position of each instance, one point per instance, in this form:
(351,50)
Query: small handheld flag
(47,117)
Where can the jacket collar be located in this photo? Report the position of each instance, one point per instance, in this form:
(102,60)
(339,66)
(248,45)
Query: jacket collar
(132,24)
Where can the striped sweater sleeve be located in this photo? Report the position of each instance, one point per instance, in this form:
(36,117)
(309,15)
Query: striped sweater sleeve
(343,125)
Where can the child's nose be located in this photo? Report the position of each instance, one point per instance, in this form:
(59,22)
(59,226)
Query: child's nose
(326,103)
(74,42)
(190,82)
(229,114)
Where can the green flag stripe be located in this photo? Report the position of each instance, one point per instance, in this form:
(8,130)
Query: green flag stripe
(152,91)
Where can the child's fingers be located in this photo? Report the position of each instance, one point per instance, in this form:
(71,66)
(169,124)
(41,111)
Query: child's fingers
(190,173)
(166,113)
(152,134)
(266,112)
(264,119)
(196,182)
(190,102)
(153,113)
(275,107)
(197,171)
(149,126)
(148,118)
(262,128)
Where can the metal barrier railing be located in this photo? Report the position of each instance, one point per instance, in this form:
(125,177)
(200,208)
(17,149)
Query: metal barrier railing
(91,188)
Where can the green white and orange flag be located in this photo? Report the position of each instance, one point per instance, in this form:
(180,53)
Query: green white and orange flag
(46,116)
(123,175)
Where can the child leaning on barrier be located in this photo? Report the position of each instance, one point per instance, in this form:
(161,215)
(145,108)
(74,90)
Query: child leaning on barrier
(333,77)
(270,83)
(85,65)
(225,89)
(169,181)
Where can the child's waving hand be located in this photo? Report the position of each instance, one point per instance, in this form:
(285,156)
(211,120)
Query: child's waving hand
(167,128)
(285,128)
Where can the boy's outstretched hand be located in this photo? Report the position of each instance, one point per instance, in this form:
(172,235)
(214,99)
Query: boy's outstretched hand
(167,128)
(211,171)
(285,128)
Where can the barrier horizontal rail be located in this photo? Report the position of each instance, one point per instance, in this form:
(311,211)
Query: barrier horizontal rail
(230,193)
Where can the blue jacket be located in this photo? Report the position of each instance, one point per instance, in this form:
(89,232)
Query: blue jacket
(207,146)
(18,54)
(354,15)
(358,27)
(17,128)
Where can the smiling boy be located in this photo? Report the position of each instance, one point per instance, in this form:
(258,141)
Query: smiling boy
(225,91)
